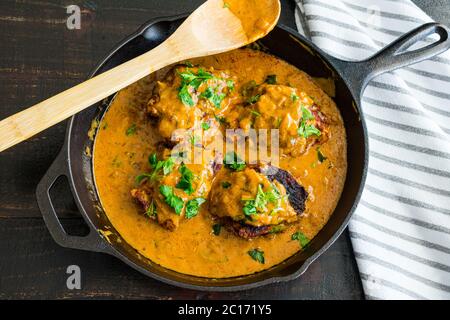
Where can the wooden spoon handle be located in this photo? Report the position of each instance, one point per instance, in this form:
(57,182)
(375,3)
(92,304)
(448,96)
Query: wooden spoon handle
(29,122)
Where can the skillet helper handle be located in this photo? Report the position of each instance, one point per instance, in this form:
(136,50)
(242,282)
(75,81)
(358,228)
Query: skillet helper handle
(91,242)
(394,56)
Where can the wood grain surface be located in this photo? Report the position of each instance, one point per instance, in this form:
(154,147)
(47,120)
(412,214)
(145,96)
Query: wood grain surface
(40,57)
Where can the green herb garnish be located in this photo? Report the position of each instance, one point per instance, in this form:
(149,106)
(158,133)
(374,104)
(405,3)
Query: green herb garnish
(249,207)
(277,229)
(216,229)
(226,185)
(190,82)
(226,5)
(165,167)
(193,206)
(305,129)
(171,199)
(187,177)
(248,88)
(294,97)
(151,211)
(206,126)
(221,120)
(253,99)
(233,162)
(194,140)
(212,95)
(131,130)
(256,113)
(271,79)
(230,85)
(301,238)
(257,255)
(321,156)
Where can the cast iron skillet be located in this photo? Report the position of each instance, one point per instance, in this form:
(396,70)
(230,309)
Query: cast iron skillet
(350,78)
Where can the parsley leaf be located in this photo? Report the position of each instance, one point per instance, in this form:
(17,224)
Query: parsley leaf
(301,238)
(253,99)
(194,81)
(151,211)
(249,207)
(153,160)
(226,185)
(294,97)
(321,156)
(193,206)
(216,229)
(165,166)
(131,130)
(261,200)
(307,114)
(306,130)
(187,177)
(206,126)
(271,79)
(171,199)
(215,98)
(233,162)
(277,229)
(221,120)
(256,113)
(185,96)
(257,255)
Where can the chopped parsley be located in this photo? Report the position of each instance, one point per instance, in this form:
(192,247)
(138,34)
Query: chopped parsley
(216,229)
(271,79)
(187,177)
(212,95)
(256,113)
(151,211)
(226,5)
(206,126)
(259,204)
(253,99)
(194,140)
(171,199)
(193,206)
(165,167)
(277,229)
(221,120)
(226,185)
(321,156)
(190,82)
(230,85)
(248,88)
(294,97)
(249,207)
(301,238)
(233,162)
(305,129)
(131,130)
(257,255)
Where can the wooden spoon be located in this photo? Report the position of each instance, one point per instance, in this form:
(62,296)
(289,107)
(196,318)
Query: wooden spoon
(217,26)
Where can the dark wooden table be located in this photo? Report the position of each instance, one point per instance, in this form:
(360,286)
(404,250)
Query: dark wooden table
(40,57)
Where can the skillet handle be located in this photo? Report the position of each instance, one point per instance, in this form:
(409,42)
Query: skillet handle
(395,56)
(91,242)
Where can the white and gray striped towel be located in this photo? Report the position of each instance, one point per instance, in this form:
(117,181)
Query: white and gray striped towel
(401,229)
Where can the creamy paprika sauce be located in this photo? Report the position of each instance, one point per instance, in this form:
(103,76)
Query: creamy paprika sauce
(212,219)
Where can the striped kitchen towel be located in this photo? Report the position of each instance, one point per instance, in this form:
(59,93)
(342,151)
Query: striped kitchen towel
(401,229)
